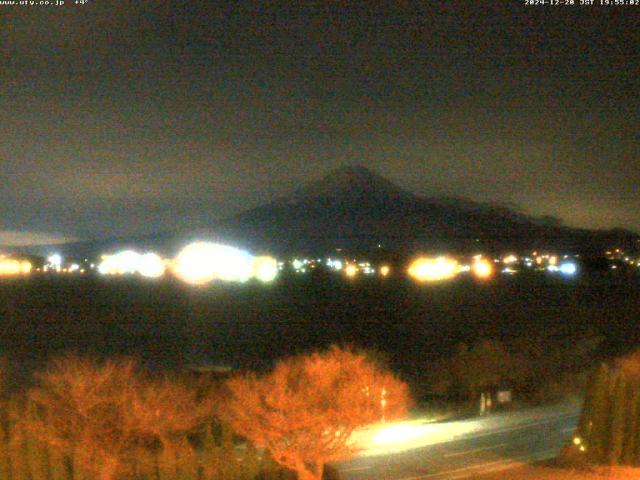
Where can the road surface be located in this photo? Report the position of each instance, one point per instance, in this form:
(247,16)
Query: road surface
(418,450)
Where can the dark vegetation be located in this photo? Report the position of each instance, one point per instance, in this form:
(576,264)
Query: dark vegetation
(537,368)
(608,431)
(114,420)
(90,420)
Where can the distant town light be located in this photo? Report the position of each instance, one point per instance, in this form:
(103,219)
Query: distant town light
(426,269)
(151,265)
(385,270)
(265,268)
(482,268)
(129,262)
(55,260)
(568,268)
(121,263)
(509,259)
(202,262)
(351,270)
(11,266)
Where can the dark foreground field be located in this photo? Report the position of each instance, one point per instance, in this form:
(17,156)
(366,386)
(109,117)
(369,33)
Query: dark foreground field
(167,324)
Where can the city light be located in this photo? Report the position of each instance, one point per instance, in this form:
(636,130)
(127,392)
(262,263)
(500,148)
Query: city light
(426,269)
(55,260)
(11,266)
(150,265)
(202,262)
(365,267)
(121,263)
(509,259)
(265,268)
(385,270)
(568,268)
(198,263)
(482,268)
(351,270)
(129,262)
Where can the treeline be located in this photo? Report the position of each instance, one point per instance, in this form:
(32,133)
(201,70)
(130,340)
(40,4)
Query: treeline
(85,419)
(538,368)
(609,427)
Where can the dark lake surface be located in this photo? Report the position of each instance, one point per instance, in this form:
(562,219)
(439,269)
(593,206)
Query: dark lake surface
(170,325)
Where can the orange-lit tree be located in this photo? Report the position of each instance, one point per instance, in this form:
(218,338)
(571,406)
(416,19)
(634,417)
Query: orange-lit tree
(306,409)
(108,416)
(609,427)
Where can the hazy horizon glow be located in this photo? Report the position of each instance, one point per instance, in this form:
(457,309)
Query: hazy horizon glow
(217,108)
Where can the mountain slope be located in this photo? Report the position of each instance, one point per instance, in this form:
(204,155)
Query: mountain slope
(357,209)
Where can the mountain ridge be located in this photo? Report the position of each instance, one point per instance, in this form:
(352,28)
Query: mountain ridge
(357,209)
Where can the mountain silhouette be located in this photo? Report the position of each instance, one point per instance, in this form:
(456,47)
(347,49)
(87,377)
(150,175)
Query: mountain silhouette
(356,209)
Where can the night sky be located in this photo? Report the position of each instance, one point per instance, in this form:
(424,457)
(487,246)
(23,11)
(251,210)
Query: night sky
(144,116)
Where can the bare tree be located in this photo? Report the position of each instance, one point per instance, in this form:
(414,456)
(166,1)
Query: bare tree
(108,415)
(306,409)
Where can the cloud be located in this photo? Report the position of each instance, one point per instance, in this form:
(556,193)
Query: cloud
(14,238)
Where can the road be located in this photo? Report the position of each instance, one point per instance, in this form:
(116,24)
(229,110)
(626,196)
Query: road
(418,450)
